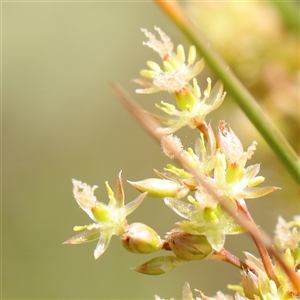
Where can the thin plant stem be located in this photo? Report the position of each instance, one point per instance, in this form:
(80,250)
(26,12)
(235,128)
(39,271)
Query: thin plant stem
(263,252)
(247,103)
(226,256)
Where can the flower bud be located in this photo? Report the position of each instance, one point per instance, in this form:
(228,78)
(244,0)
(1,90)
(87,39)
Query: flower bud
(140,238)
(188,246)
(158,188)
(159,265)
(250,284)
(229,143)
(186,292)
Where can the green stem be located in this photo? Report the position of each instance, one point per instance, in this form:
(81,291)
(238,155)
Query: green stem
(289,12)
(247,103)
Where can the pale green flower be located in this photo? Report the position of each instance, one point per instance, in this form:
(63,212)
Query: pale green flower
(213,223)
(230,173)
(140,238)
(175,77)
(193,107)
(108,219)
(188,246)
(287,234)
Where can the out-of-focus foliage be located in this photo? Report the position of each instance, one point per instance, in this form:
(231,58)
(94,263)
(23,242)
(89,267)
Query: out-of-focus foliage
(262,51)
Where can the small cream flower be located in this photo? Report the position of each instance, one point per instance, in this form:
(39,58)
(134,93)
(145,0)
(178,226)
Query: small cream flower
(176,73)
(286,234)
(230,173)
(140,238)
(193,106)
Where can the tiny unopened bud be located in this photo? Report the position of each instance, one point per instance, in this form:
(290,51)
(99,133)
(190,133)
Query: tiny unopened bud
(159,265)
(250,284)
(186,292)
(229,143)
(188,246)
(158,188)
(141,238)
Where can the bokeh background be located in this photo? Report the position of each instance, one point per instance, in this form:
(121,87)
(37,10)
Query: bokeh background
(60,120)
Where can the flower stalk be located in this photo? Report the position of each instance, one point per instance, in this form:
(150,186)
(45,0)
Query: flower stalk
(263,252)
(226,256)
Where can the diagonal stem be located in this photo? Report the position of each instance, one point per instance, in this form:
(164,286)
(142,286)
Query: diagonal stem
(263,252)
(226,256)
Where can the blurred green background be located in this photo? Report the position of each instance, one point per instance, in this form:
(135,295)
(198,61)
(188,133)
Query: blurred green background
(60,120)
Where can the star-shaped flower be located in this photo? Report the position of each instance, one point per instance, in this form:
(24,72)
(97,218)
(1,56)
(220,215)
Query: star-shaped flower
(176,73)
(193,107)
(108,219)
(212,222)
(230,173)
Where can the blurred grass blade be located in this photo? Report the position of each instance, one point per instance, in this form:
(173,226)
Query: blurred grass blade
(289,12)
(247,103)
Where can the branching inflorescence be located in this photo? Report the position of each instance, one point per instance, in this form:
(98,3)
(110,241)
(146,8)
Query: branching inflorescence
(219,158)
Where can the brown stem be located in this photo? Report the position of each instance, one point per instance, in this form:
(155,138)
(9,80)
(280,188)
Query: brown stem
(226,256)
(263,252)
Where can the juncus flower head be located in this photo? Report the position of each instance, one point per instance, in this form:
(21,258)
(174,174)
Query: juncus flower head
(176,71)
(193,106)
(211,223)
(222,161)
(108,219)
(188,246)
(175,77)
(140,238)
(287,233)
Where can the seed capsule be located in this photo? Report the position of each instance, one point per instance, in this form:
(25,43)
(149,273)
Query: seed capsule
(188,246)
(158,188)
(141,238)
(159,265)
